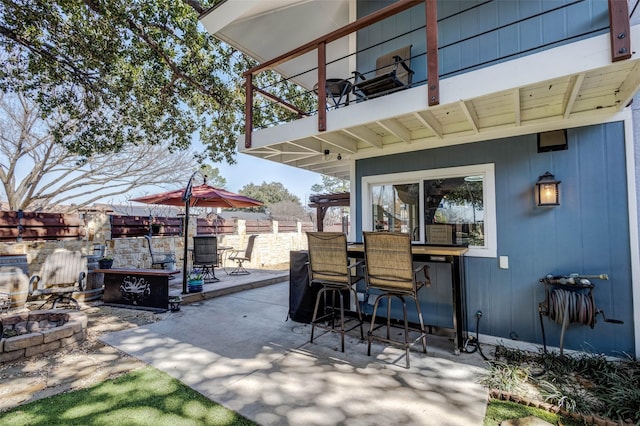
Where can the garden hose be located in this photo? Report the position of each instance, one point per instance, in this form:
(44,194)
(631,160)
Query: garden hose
(476,342)
(570,307)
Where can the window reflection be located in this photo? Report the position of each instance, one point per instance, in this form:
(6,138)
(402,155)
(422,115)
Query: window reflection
(454,211)
(395,208)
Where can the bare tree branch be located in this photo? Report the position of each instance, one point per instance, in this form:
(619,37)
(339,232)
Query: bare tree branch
(37,173)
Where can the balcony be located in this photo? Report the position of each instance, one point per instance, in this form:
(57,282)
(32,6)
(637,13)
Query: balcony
(573,78)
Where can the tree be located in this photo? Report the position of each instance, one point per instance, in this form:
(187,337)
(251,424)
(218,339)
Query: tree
(268,193)
(37,173)
(289,210)
(330,185)
(127,72)
(213,176)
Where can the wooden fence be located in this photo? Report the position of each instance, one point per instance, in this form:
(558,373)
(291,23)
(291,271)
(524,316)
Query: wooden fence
(18,226)
(218,226)
(137,226)
(27,226)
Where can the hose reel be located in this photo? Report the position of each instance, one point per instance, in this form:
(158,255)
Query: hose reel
(569,300)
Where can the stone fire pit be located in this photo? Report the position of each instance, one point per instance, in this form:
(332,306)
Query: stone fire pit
(36,332)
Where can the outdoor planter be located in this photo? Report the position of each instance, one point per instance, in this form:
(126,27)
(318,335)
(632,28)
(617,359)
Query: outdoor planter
(195,286)
(105,263)
(174,303)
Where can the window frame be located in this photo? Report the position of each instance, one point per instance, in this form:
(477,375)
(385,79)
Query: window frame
(486,170)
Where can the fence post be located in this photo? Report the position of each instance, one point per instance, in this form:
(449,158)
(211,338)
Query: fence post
(20,225)
(274,226)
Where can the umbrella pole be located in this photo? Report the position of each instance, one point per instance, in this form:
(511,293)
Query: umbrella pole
(186,242)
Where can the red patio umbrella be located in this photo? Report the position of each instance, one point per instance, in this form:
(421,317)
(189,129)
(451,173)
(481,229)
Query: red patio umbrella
(197,196)
(201,196)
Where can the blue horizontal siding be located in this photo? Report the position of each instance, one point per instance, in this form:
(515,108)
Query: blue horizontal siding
(588,233)
(474,34)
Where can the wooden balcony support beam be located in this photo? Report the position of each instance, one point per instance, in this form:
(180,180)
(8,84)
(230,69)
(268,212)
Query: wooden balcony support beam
(322,87)
(619,29)
(433,80)
(248,110)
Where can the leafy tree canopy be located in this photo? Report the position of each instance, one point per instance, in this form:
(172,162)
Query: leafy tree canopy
(330,185)
(268,193)
(213,176)
(127,71)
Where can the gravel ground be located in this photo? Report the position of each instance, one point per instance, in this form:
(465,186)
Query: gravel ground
(77,367)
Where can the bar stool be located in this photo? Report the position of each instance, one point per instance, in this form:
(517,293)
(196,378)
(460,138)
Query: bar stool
(329,267)
(389,269)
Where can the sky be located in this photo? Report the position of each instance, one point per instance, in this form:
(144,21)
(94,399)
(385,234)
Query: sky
(250,169)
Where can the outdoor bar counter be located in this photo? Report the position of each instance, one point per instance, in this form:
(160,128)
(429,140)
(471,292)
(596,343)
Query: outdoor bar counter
(139,288)
(438,254)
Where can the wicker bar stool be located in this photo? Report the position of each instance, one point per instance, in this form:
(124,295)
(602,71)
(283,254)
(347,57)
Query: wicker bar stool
(389,268)
(329,267)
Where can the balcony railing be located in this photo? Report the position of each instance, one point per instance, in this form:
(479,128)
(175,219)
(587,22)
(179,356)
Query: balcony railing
(301,102)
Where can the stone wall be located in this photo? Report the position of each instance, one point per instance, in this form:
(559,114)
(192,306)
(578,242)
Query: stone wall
(32,333)
(270,248)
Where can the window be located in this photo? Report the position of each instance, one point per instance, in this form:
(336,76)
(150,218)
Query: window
(441,207)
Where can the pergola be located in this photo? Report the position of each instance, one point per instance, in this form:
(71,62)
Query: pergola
(322,202)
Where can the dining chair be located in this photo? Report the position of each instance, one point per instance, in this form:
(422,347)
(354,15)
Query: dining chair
(389,269)
(205,255)
(241,256)
(329,268)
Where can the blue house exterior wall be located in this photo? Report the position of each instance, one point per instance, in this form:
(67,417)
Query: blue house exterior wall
(588,233)
(475,34)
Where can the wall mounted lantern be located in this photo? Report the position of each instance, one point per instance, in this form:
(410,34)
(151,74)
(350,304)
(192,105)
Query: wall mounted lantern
(548,190)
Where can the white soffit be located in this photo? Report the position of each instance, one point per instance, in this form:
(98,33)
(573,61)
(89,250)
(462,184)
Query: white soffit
(251,26)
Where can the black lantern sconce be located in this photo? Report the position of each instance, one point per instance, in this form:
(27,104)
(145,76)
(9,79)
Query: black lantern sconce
(547,190)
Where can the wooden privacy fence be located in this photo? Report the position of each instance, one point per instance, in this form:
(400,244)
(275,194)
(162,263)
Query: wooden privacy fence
(218,226)
(137,226)
(18,226)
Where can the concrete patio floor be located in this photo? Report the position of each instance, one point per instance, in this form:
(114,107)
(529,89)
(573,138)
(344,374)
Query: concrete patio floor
(239,349)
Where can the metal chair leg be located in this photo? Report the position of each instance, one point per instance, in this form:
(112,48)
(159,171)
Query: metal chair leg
(422,329)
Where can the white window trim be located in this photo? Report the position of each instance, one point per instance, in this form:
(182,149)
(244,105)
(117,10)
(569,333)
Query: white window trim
(487,171)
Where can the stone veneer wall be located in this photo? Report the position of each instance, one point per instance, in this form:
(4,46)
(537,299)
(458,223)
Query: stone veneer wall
(44,331)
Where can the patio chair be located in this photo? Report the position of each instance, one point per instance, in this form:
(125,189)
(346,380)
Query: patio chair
(205,255)
(392,74)
(389,269)
(63,272)
(329,267)
(241,256)
(161,259)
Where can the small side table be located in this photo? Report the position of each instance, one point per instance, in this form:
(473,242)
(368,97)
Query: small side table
(337,90)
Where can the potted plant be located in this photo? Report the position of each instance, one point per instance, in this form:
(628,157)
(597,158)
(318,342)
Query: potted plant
(174,303)
(195,280)
(105,262)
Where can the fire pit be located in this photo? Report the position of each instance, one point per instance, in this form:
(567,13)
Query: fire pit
(31,333)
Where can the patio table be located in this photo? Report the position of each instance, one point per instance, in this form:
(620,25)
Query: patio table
(137,288)
(439,254)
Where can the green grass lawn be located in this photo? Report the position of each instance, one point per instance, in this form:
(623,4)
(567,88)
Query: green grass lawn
(143,397)
(151,397)
(498,411)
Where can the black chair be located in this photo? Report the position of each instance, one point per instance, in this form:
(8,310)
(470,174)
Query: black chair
(241,256)
(392,74)
(329,267)
(161,259)
(389,269)
(205,255)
